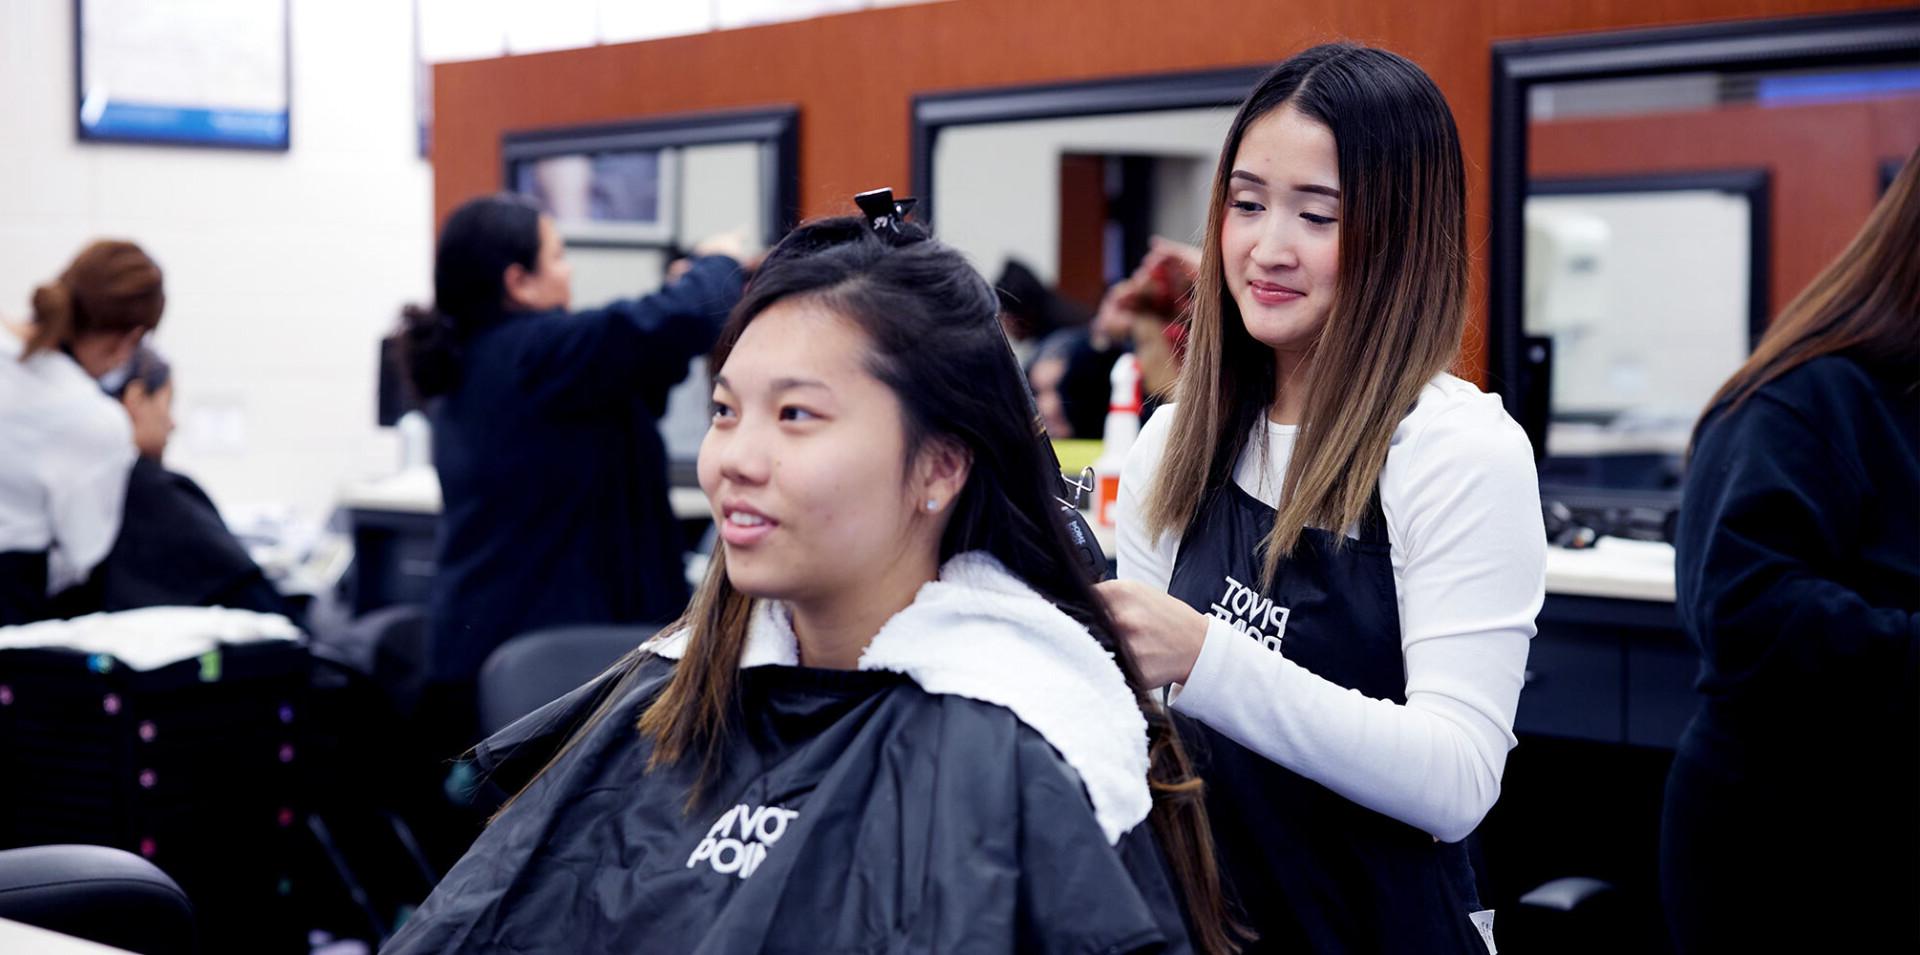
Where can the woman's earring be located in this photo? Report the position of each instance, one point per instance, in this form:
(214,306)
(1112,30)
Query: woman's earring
(933,504)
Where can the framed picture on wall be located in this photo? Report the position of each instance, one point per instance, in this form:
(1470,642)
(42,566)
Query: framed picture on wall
(206,73)
(607,197)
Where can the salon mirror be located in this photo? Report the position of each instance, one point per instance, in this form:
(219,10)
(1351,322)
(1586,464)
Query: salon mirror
(1659,195)
(630,198)
(1055,193)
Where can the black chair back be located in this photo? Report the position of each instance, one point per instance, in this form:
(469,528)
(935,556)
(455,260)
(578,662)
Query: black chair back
(103,895)
(535,669)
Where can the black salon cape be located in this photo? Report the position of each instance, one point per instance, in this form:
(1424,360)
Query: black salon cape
(878,818)
(175,550)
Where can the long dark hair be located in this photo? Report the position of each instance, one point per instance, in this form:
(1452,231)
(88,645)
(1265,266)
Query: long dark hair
(1398,312)
(934,338)
(1867,302)
(478,242)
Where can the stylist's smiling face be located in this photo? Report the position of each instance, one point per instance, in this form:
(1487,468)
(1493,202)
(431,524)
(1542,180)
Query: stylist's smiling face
(1280,237)
(804,463)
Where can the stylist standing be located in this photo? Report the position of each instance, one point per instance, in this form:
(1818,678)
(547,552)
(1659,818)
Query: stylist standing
(552,470)
(1329,546)
(66,448)
(1792,818)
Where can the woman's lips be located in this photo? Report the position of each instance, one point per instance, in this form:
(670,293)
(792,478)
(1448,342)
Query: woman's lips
(1273,293)
(741,525)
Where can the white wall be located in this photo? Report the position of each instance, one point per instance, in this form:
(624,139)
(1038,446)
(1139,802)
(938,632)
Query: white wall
(1668,321)
(996,186)
(478,29)
(282,269)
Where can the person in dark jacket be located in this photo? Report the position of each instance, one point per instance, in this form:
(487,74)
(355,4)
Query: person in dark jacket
(894,716)
(173,549)
(553,474)
(1792,818)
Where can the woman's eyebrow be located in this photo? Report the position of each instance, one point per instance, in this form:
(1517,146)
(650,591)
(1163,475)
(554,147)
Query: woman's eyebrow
(1314,188)
(787,383)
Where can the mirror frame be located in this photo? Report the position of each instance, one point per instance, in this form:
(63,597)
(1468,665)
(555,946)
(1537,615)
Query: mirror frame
(1518,65)
(933,113)
(776,128)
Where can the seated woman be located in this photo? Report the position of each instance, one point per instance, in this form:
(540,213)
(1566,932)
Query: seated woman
(894,715)
(173,548)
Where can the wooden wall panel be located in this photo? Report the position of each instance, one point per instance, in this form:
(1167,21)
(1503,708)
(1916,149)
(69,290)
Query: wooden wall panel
(1083,226)
(853,76)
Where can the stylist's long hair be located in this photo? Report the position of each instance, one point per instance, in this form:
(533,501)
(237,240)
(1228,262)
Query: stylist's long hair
(478,242)
(1867,303)
(932,325)
(1397,314)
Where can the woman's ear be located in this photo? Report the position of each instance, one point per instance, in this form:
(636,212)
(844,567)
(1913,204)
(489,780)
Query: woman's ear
(514,282)
(943,469)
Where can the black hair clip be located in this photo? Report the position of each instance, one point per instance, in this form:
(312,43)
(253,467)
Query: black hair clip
(883,212)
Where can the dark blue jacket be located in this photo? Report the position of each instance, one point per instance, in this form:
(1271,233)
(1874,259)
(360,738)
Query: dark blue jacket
(553,473)
(1798,558)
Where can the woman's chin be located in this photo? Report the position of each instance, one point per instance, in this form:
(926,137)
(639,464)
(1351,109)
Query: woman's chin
(759,582)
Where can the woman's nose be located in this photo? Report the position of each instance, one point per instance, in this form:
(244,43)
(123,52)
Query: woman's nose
(1275,249)
(741,453)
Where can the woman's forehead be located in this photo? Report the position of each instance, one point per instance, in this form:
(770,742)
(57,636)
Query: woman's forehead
(799,338)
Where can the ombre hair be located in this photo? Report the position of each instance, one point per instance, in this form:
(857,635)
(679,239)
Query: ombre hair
(1398,311)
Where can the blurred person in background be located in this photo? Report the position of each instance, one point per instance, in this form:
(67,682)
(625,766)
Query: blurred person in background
(1153,302)
(1792,818)
(552,470)
(1030,311)
(66,448)
(173,548)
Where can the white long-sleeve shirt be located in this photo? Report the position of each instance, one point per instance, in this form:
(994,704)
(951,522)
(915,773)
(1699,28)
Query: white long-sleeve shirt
(65,452)
(1462,503)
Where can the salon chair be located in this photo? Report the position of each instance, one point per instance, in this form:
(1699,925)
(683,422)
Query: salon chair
(103,895)
(536,668)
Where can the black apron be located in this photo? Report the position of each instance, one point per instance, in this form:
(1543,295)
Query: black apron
(1311,870)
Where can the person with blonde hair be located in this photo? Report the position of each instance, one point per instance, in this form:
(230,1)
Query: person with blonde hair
(1797,573)
(66,448)
(1330,546)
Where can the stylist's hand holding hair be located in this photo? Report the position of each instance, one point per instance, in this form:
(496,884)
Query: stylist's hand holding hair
(1165,634)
